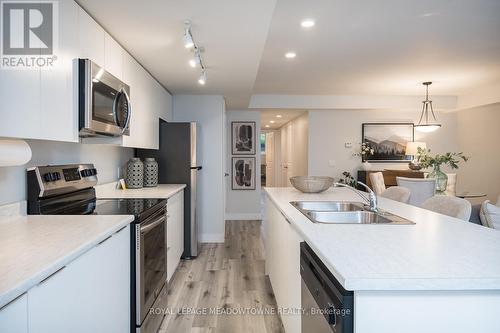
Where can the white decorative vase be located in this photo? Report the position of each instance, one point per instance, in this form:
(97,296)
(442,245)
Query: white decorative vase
(366,166)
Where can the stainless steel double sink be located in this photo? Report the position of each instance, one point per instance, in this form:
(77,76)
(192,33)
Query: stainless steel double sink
(345,212)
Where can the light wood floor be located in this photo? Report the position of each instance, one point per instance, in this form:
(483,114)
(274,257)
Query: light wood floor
(225,277)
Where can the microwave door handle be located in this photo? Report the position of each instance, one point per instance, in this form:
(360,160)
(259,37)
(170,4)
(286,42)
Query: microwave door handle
(129,111)
(115,111)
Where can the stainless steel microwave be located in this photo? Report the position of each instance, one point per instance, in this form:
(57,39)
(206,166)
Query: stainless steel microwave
(103,101)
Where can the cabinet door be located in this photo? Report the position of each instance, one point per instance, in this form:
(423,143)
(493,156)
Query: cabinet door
(59,120)
(14,316)
(113,56)
(175,232)
(91,38)
(91,294)
(283,254)
(144,129)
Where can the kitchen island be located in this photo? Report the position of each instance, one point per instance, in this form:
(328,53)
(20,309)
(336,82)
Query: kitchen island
(439,275)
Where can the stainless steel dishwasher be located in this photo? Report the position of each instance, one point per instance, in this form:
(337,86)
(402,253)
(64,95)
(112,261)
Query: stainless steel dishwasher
(327,306)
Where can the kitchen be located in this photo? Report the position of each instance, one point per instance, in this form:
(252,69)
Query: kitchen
(119,84)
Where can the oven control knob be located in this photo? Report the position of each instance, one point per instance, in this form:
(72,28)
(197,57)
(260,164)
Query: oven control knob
(93,172)
(51,176)
(85,173)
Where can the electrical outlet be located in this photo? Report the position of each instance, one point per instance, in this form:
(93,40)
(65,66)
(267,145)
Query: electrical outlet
(348,144)
(331,163)
(119,172)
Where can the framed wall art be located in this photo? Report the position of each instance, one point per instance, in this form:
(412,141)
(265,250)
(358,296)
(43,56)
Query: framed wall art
(243,175)
(388,141)
(243,137)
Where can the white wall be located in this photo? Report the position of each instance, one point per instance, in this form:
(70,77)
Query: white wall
(300,145)
(479,137)
(209,112)
(106,158)
(329,130)
(243,204)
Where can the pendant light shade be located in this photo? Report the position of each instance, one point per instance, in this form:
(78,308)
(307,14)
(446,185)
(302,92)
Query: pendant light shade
(428,122)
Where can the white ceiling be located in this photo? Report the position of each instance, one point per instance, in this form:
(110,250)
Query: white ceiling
(381,47)
(364,47)
(266,116)
(233,33)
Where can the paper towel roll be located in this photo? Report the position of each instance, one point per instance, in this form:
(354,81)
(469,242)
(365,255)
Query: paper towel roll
(14,152)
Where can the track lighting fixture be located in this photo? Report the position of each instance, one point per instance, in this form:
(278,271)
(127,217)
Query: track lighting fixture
(203,78)
(196,60)
(188,37)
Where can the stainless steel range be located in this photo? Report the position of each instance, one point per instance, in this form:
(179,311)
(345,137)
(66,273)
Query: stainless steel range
(69,190)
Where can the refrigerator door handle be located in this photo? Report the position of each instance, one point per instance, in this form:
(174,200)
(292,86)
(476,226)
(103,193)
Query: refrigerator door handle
(196,168)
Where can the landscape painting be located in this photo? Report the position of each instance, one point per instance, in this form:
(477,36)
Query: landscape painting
(243,173)
(388,140)
(243,138)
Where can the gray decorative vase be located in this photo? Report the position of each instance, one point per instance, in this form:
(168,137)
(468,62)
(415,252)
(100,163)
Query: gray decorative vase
(150,172)
(135,173)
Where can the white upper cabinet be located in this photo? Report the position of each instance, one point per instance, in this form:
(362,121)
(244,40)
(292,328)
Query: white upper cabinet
(91,38)
(113,56)
(42,103)
(59,115)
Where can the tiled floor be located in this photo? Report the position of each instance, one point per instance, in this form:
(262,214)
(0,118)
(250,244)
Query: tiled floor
(226,286)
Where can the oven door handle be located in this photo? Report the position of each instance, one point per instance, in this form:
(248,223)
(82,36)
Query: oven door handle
(150,226)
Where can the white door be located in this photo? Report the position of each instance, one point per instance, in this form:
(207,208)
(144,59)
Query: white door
(270,159)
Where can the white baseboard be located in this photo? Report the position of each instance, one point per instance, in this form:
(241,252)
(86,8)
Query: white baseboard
(243,216)
(212,238)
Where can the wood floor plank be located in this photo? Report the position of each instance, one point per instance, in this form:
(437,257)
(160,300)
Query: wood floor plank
(226,286)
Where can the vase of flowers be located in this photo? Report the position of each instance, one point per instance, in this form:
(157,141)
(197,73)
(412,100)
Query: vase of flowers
(364,152)
(426,160)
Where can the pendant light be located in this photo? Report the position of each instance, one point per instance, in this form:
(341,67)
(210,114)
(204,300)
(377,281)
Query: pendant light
(425,124)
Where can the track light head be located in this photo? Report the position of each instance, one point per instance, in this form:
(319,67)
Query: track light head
(188,37)
(203,78)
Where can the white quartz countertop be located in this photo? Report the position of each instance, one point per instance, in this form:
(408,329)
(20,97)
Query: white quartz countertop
(35,246)
(437,253)
(162,191)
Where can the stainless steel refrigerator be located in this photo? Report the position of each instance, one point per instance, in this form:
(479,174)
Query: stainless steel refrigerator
(177,164)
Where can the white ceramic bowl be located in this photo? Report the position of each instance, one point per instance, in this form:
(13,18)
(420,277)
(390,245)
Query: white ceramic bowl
(311,184)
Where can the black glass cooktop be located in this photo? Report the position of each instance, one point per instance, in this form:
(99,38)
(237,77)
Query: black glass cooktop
(126,206)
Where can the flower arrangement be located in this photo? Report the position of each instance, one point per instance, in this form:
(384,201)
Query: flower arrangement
(348,179)
(426,160)
(364,150)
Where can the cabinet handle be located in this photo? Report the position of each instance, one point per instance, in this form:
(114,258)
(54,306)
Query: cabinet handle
(105,239)
(51,275)
(286,218)
(119,230)
(15,299)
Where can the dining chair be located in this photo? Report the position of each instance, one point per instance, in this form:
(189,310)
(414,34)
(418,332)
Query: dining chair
(451,187)
(451,206)
(377,181)
(397,193)
(421,189)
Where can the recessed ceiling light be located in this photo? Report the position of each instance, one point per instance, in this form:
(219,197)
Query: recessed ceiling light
(278,116)
(307,23)
(267,126)
(272,121)
(290,55)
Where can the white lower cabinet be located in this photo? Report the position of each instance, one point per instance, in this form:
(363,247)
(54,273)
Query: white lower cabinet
(283,266)
(90,294)
(14,316)
(175,232)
